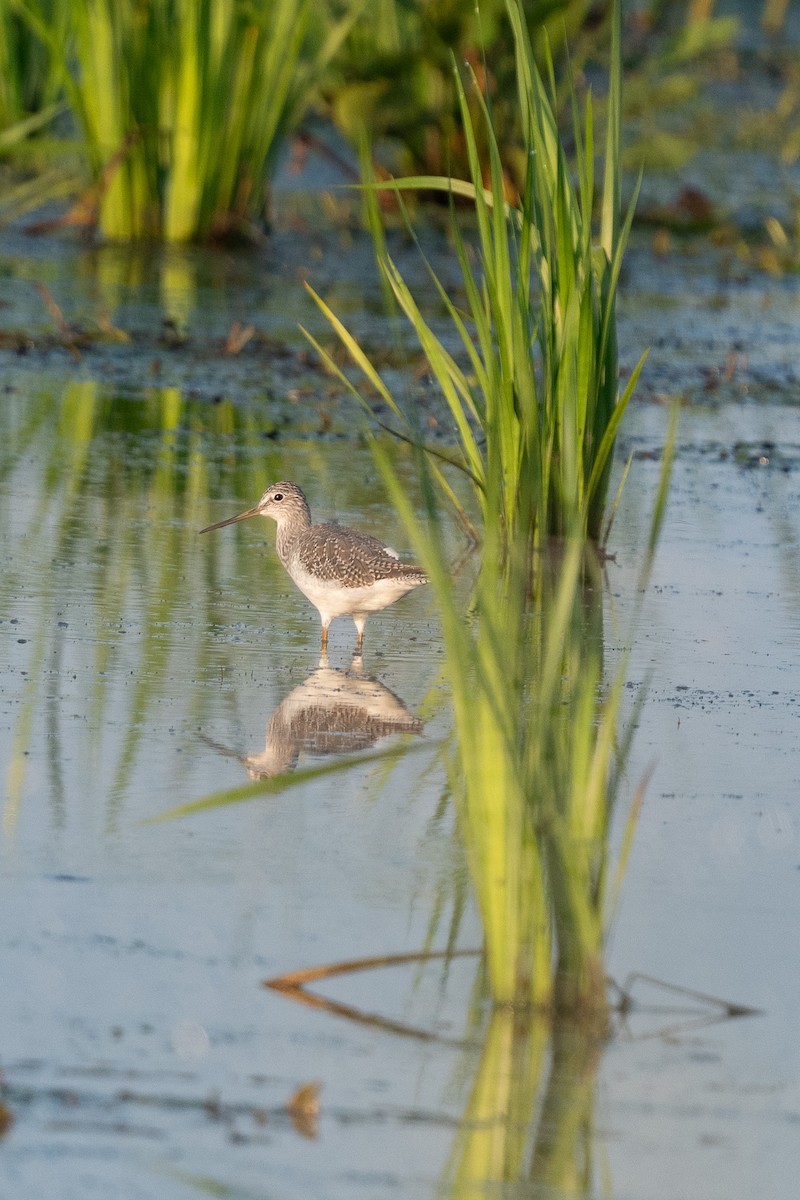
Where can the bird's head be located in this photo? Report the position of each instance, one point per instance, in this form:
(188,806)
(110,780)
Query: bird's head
(284,502)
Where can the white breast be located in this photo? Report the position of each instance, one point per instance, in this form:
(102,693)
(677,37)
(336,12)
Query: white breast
(333,600)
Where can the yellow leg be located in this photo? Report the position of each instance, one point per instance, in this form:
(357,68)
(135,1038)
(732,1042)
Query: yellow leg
(324,637)
(360,642)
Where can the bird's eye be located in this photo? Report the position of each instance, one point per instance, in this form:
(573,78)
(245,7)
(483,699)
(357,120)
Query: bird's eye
(278,496)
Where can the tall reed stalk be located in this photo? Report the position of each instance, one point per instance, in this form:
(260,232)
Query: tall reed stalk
(535,407)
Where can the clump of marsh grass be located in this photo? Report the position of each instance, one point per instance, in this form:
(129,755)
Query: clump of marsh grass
(183,104)
(534,397)
(541,755)
(535,406)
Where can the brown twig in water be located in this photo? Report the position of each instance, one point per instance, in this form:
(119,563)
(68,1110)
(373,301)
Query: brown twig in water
(293,984)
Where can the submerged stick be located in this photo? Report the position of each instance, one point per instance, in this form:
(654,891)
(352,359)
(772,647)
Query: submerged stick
(295,980)
(293,984)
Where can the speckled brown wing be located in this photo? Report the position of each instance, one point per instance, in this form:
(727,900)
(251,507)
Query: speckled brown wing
(335,553)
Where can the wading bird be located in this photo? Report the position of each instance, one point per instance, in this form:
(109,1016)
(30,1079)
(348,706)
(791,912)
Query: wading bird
(341,571)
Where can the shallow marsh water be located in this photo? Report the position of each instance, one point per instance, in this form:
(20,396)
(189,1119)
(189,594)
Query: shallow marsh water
(141,1054)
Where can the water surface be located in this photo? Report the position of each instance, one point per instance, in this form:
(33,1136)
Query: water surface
(141,1054)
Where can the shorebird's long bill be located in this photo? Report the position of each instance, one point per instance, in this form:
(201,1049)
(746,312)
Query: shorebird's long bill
(251,512)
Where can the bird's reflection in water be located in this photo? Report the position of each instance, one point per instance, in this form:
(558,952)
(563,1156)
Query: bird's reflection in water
(331,712)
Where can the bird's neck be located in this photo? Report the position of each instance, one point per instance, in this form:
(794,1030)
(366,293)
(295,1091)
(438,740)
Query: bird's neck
(289,531)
